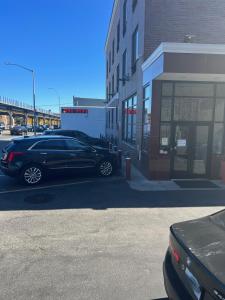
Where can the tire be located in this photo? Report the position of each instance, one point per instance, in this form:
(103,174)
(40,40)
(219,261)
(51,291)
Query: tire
(105,168)
(32,174)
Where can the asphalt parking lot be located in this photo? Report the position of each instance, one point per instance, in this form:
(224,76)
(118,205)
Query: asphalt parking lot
(79,237)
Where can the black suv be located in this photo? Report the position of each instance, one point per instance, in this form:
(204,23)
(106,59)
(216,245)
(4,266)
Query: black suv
(30,158)
(81,136)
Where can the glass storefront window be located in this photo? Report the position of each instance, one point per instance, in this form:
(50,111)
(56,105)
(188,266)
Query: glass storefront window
(190,89)
(165,132)
(167,89)
(146,122)
(129,120)
(166,109)
(219,110)
(220,90)
(193,109)
(218,135)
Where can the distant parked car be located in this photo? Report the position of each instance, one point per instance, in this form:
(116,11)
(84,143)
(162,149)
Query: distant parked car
(39,128)
(29,128)
(2,125)
(31,158)
(18,130)
(81,136)
(194,264)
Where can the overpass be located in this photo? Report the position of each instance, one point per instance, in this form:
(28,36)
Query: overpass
(13,111)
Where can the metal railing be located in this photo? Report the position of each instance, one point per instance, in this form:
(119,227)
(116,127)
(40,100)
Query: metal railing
(20,104)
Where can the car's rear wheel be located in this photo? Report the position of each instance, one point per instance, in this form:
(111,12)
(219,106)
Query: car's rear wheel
(105,168)
(32,175)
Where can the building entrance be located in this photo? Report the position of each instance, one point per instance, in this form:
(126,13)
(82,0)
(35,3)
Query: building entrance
(190,149)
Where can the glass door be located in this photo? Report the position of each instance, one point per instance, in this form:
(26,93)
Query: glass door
(190,150)
(181,151)
(200,156)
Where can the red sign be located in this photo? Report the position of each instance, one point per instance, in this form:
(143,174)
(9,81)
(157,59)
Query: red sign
(130,111)
(74,110)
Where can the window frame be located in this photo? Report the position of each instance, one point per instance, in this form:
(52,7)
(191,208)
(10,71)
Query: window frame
(118,37)
(124,17)
(134,5)
(128,120)
(124,66)
(135,50)
(145,99)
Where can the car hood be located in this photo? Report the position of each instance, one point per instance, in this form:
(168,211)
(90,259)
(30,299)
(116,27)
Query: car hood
(205,238)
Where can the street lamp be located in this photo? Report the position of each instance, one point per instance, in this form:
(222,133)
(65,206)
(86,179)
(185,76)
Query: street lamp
(53,89)
(33,79)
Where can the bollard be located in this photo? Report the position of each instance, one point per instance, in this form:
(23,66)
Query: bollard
(128,168)
(119,158)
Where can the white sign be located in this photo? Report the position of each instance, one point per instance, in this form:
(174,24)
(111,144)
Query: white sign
(181,143)
(165,141)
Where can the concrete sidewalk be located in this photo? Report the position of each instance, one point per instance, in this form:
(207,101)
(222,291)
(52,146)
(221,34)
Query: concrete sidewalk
(140,183)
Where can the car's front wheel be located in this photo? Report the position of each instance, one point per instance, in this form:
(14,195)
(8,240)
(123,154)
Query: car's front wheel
(31,175)
(105,168)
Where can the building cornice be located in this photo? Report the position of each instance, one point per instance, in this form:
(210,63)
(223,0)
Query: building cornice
(115,4)
(189,48)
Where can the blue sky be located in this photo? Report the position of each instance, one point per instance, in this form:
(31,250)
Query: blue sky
(63,40)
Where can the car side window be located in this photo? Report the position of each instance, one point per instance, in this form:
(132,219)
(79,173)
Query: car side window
(75,145)
(50,145)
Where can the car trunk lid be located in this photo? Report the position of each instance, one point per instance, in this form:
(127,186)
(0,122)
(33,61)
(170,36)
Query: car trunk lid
(201,246)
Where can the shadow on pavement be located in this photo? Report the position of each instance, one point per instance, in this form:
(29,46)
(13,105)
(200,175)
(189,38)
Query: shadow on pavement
(80,192)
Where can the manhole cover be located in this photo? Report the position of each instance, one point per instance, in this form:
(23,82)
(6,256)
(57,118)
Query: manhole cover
(40,198)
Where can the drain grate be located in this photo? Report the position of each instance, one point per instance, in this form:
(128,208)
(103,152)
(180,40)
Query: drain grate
(39,199)
(196,184)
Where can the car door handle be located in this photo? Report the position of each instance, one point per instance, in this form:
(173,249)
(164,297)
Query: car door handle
(73,154)
(44,153)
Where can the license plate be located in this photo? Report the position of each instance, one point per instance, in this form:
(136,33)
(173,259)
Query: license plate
(195,286)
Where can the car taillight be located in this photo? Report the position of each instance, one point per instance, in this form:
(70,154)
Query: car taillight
(12,155)
(174,252)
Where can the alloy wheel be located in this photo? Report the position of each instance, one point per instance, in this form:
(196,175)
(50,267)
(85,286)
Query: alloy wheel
(106,168)
(32,175)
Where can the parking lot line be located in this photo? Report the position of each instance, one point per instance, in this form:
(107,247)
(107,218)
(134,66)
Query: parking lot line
(46,187)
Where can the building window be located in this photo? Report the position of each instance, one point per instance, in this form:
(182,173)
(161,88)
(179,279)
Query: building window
(147,105)
(118,37)
(107,69)
(130,120)
(113,51)
(117,78)
(134,4)
(109,90)
(113,85)
(124,17)
(110,61)
(135,50)
(124,71)
(112,118)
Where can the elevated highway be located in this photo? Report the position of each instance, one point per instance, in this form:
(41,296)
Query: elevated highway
(13,111)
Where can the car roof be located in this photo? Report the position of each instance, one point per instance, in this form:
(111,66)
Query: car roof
(41,137)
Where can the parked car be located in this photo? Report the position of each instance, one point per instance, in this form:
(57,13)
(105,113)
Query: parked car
(81,136)
(2,126)
(18,130)
(194,263)
(29,128)
(31,158)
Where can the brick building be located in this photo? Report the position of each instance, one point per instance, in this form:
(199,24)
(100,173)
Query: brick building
(165,85)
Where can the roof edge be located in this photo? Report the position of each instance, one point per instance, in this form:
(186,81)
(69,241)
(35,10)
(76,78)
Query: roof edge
(188,48)
(115,4)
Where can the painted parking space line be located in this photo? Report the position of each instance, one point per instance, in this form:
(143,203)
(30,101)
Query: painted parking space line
(46,187)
